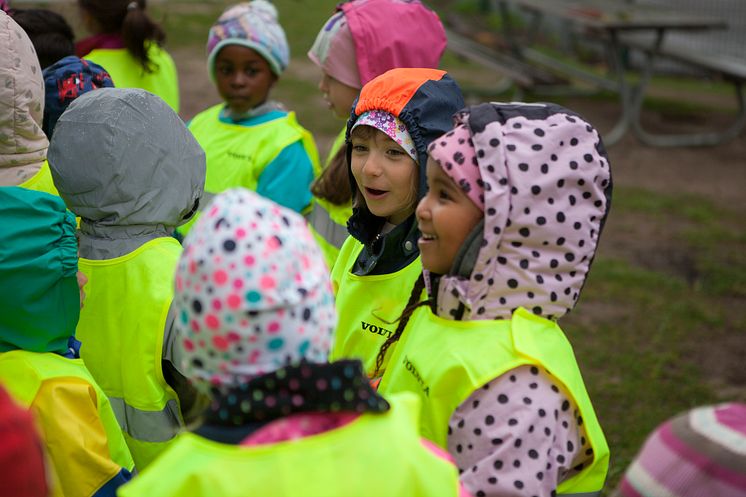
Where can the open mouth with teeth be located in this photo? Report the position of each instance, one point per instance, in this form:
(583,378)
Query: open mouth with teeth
(427,237)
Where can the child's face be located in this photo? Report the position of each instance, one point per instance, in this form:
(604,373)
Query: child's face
(385,175)
(243,78)
(445,217)
(339,97)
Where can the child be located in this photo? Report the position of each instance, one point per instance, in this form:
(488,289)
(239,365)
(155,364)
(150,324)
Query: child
(66,80)
(256,313)
(358,43)
(50,33)
(125,163)
(698,453)
(23,145)
(251,141)
(39,361)
(22,467)
(130,46)
(396,117)
(518,195)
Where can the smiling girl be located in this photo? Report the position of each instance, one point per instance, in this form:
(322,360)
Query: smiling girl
(396,117)
(251,141)
(518,195)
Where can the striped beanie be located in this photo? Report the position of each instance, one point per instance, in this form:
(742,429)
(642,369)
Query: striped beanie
(701,453)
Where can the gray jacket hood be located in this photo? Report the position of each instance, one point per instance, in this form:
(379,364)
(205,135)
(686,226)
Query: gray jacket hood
(126,164)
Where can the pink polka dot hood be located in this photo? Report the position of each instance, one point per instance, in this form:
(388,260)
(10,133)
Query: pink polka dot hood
(542,177)
(252,292)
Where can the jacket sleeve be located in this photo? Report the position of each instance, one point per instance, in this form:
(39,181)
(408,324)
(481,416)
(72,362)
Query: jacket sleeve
(287,179)
(76,441)
(518,436)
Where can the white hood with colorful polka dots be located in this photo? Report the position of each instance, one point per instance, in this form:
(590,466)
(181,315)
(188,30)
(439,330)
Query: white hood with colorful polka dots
(252,293)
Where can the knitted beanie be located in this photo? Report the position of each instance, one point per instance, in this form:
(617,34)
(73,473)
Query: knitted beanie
(701,453)
(253,25)
(66,80)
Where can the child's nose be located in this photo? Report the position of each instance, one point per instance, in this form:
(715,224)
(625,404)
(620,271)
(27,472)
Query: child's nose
(239,79)
(422,211)
(372,166)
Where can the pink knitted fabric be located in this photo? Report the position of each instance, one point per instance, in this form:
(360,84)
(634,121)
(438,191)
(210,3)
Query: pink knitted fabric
(701,453)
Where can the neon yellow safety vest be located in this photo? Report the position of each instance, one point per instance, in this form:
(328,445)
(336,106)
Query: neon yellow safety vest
(445,361)
(22,373)
(375,455)
(121,327)
(367,307)
(237,155)
(127,72)
(41,181)
(328,221)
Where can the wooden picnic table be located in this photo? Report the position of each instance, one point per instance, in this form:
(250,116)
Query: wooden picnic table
(607,21)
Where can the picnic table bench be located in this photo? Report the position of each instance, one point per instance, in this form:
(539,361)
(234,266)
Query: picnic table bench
(620,26)
(730,68)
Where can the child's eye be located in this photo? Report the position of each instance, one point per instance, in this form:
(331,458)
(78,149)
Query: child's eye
(443,195)
(395,152)
(252,72)
(356,147)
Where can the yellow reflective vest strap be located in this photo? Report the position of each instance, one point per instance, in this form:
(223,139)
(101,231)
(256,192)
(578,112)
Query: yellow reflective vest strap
(336,145)
(328,221)
(237,155)
(41,181)
(121,328)
(367,307)
(22,374)
(127,72)
(374,455)
(445,361)
(328,224)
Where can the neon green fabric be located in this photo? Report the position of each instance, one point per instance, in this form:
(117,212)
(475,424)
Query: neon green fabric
(41,181)
(39,299)
(237,155)
(122,327)
(374,455)
(327,221)
(444,361)
(368,307)
(23,374)
(127,72)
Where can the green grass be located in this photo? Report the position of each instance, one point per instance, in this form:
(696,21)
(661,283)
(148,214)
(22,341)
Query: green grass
(638,331)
